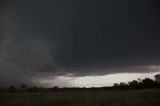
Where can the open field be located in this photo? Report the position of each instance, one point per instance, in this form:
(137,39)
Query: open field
(83,98)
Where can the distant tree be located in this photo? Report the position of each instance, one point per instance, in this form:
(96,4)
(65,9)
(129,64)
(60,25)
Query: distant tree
(30,89)
(54,89)
(122,84)
(12,89)
(35,89)
(115,84)
(157,78)
(139,80)
(23,86)
(133,83)
(148,83)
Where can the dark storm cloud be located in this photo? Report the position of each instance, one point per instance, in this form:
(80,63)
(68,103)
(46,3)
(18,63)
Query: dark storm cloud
(90,37)
(22,65)
(3,2)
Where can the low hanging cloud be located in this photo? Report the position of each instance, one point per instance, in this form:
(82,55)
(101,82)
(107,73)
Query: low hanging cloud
(100,70)
(23,64)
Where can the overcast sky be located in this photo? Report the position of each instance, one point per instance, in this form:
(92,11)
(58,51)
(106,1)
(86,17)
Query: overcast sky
(78,38)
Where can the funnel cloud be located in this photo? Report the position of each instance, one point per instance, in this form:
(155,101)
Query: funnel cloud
(21,65)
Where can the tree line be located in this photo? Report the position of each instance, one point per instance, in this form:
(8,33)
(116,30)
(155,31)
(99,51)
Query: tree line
(146,83)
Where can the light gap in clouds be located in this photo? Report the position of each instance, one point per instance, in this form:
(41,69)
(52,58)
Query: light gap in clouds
(95,81)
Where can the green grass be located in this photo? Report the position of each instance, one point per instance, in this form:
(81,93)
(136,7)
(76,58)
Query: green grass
(79,98)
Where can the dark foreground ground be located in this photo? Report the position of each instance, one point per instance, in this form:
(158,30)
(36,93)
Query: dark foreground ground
(83,98)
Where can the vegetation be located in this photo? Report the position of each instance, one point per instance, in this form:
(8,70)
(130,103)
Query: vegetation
(149,97)
(146,83)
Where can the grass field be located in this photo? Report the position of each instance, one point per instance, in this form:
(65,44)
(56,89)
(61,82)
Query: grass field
(86,98)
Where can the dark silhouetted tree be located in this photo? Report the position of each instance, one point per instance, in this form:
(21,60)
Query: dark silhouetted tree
(123,86)
(12,89)
(148,83)
(54,89)
(157,78)
(23,86)
(133,84)
(35,89)
(115,84)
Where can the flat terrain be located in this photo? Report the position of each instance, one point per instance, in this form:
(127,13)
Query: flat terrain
(83,98)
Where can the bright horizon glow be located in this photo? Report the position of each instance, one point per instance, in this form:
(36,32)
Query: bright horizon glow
(95,81)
